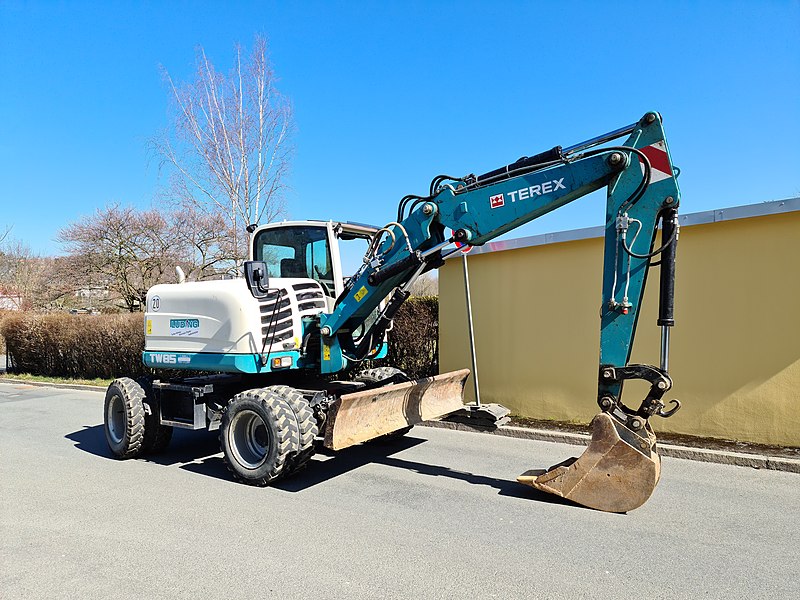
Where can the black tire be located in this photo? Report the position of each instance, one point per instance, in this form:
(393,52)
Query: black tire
(156,435)
(124,421)
(389,375)
(259,436)
(306,425)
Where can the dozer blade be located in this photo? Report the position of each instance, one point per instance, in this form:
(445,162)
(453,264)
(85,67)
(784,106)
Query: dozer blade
(362,416)
(616,473)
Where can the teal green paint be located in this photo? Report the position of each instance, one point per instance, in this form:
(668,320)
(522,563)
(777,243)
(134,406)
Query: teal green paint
(332,359)
(218,362)
(353,309)
(617,330)
(486,212)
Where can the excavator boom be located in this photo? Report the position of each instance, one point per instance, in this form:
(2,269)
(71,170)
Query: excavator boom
(621,467)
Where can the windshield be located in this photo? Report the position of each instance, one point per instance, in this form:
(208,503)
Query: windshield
(296,251)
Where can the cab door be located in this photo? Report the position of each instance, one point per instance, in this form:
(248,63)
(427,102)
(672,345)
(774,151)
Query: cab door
(301,249)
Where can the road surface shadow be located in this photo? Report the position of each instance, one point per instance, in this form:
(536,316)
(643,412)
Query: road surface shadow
(382,453)
(91,439)
(321,471)
(505,487)
(199,452)
(343,461)
(318,470)
(185,447)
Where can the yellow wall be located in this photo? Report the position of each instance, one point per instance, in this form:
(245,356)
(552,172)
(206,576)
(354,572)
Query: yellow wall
(735,357)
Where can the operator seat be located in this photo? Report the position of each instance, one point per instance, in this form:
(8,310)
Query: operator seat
(292,267)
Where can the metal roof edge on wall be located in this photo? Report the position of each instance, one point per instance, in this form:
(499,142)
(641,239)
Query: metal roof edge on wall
(746,211)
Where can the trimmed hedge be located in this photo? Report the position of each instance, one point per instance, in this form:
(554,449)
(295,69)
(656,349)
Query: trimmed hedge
(109,346)
(4,314)
(414,338)
(77,346)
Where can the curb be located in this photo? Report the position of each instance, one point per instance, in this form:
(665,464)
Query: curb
(738,459)
(754,461)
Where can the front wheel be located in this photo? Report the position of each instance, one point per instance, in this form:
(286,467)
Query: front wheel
(259,436)
(307,427)
(124,418)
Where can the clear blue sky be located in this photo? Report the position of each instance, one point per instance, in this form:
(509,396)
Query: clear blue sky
(388,94)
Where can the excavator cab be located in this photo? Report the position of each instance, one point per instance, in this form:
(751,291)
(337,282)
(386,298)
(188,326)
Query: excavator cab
(311,250)
(320,250)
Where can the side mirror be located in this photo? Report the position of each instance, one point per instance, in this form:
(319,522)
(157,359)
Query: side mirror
(255,273)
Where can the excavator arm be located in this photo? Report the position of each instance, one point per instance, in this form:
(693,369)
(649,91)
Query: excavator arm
(642,189)
(620,468)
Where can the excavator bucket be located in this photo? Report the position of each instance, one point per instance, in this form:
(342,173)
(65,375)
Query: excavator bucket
(365,415)
(616,473)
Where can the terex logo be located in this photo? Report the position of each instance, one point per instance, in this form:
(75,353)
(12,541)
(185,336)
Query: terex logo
(164,359)
(528,192)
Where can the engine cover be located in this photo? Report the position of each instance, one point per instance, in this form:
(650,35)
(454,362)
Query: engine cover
(219,326)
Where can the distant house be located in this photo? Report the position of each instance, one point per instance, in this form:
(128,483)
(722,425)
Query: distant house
(96,293)
(8,302)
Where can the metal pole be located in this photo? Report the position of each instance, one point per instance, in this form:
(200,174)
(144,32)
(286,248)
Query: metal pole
(471,336)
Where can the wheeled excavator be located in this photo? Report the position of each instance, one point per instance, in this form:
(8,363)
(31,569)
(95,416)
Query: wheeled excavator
(277,353)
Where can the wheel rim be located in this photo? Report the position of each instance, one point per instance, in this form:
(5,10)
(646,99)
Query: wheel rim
(249,439)
(115,419)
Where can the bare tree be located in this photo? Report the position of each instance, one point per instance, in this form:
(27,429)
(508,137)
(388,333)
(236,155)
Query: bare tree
(122,251)
(228,144)
(18,280)
(29,281)
(426,285)
(202,241)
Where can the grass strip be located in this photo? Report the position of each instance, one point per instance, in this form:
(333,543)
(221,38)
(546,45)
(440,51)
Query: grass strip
(59,380)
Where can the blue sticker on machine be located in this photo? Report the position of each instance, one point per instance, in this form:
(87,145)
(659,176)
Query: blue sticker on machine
(184,327)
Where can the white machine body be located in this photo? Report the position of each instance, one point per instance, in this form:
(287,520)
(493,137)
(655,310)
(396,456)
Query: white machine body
(218,325)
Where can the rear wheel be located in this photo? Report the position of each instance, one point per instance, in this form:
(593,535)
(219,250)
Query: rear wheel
(385,376)
(124,418)
(259,436)
(156,435)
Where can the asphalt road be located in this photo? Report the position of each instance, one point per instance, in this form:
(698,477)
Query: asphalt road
(435,515)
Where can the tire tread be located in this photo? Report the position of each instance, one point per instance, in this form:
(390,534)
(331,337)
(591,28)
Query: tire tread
(284,431)
(306,424)
(132,397)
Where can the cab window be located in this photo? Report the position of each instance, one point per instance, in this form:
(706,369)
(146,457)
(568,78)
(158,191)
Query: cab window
(296,251)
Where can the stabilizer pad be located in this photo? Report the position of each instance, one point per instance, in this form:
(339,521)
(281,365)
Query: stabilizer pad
(486,417)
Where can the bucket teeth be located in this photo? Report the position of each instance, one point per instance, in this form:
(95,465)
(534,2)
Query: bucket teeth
(616,473)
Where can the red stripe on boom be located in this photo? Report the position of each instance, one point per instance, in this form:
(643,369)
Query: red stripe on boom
(658,159)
